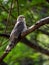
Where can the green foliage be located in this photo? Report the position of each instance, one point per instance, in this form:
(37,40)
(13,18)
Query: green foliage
(33,10)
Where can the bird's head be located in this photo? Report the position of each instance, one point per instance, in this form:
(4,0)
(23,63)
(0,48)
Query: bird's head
(21,18)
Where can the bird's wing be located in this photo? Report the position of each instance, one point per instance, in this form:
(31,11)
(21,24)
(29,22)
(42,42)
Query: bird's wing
(17,31)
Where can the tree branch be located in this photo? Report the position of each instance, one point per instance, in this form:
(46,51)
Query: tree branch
(32,45)
(43,31)
(36,26)
(35,46)
(4,35)
(31,29)
(3,63)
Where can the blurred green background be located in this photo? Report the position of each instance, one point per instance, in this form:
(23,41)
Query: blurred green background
(33,10)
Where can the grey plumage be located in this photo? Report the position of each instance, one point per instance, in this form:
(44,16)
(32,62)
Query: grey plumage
(19,27)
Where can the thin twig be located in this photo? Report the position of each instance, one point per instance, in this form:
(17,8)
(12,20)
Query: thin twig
(43,31)
(5,9)
(8,19)
(18,11)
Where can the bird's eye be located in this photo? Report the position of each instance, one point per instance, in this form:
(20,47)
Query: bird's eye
(21,17)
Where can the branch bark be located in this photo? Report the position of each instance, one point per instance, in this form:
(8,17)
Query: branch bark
(35,46)
(31,29)
(36,26)
(43,31)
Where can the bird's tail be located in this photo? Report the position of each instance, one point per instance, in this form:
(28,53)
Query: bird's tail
(7,50)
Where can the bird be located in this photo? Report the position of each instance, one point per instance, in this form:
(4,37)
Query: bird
(19,28)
